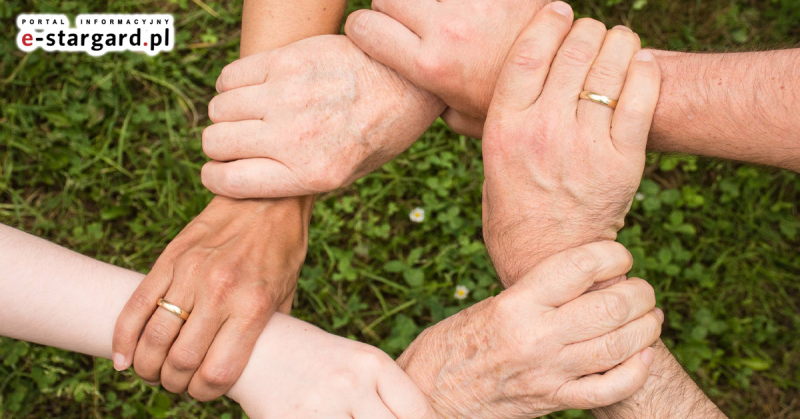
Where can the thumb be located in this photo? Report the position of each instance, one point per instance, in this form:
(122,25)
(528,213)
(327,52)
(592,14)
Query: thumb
(387,41)
(565,276)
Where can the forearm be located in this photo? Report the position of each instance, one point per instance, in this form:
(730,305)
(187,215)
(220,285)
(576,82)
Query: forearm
(270,24)
(53,296)
(739,106)
(668,393)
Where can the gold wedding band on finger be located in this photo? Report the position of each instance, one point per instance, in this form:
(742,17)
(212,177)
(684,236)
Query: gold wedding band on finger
(172,308)
(598,98)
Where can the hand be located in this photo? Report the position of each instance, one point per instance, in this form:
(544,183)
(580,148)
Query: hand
(540,346)
(299,371)
(453,49)
(308,118)
(560,171)
(231,267)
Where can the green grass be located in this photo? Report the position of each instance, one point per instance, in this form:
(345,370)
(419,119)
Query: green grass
(102,155)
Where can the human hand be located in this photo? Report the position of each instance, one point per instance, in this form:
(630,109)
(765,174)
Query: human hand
(231,268)
(560,171)
(299,371)
(308,118)
(454,49)
(541,345)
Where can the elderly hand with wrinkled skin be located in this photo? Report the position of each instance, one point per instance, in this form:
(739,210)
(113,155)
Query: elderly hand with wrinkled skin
(308,118)
(542,345)
(451,48)
(558,175)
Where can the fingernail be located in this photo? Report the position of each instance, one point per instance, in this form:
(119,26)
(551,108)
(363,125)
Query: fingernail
(648,355)
(622,28)
(644,55)
(120,363)
(659,313)
(154,383)
(562,8)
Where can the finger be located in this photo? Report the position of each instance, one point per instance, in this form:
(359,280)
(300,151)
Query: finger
(249,71)
(226,141)
(565,276)
(254,178)
(528,62)
(607,351)
(637,104)
(413,14)
(603,390)
(160,332)
(463,124)
(187,353)
(237,105)
(387,41)
(597,313)
(227,357)
(572,63)
(402,396)
(134,316)
(607,76)
(373,408)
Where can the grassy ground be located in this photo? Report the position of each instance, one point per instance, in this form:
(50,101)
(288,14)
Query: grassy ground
(102,155)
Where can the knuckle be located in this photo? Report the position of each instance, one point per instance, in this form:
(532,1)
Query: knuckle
(577,52)
(456,30)
(157,334)
(430,67)
(526,57)
(232,181)
(615,348)
(615,308)
(185,359)
(583,261)
(223,281)
(218,376)
(607,71)
(344,380)
(141,302)
(372,359)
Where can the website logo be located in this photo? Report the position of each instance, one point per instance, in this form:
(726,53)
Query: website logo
(96,34)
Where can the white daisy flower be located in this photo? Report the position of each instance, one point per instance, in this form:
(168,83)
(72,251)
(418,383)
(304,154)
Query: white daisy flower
(639,196)
(461,292)
(417,215)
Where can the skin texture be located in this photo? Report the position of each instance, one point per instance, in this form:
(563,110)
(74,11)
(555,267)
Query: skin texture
(299,371)
(737,106)
(295,371)
(333,115)
(668,393)
(442,46)
(560,171)
(531,351)
(232,302)
(525,175)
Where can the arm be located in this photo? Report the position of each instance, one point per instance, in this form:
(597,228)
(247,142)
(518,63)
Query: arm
(56,297)
(739,106)
(736,106)
(668,393)
(220,259)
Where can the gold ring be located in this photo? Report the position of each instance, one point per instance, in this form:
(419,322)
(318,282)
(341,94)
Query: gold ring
(598,98)
(172,308)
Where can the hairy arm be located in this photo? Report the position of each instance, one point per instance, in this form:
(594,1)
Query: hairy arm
(668,393)
(739,106)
